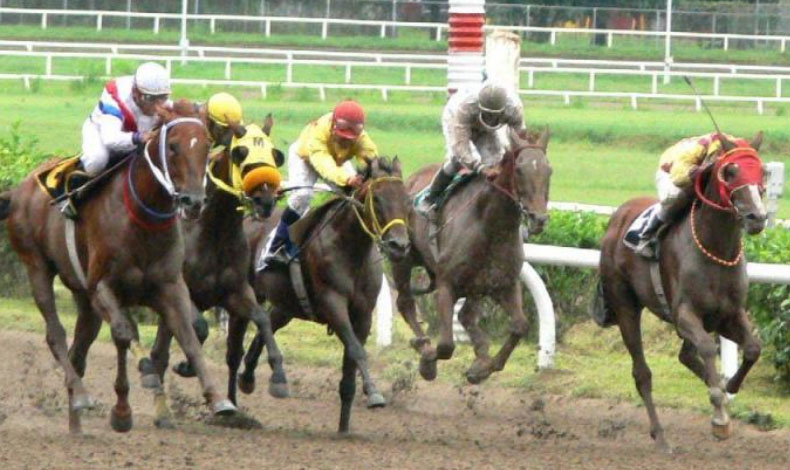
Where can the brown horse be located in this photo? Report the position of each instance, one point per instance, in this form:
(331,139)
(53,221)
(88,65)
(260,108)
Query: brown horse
(129,250)
(342,273)
(703,274)
(480,253)
(217,262)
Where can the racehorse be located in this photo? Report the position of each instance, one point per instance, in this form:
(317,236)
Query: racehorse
(217,262)
(479,253)
(702,274)
(342,274)
(126,250)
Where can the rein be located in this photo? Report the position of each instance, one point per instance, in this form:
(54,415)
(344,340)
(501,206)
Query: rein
(707,253)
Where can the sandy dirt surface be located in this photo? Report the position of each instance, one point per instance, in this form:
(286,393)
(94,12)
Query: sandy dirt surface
(430,426)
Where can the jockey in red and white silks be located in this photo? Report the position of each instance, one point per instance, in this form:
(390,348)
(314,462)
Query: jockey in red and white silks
(470,121)
(125,114)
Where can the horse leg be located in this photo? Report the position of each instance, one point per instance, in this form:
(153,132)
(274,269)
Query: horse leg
(85,332)
(629,315)
(121,413)
(279,319)
(199,323)
(689,327)
(237,327)
(401,272)
(41,283)
(154,370)
(689,357)
(347,390)
(469,317)
(739,330)
(172,302)
(444,350)
(242,304)
(511,301)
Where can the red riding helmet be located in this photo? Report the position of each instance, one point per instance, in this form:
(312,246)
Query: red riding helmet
(348,120)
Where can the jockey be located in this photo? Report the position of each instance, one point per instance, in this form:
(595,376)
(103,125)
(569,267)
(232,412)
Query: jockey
(222,109)
(324,149)
(675,183)
(121,121)
(470,121)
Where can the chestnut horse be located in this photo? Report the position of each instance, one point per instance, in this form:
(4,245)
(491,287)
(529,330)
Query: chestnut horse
(342,273)
(129,250)
(217,262)
(480,253)
(703,274)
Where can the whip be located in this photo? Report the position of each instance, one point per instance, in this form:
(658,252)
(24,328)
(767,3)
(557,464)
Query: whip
(696,92)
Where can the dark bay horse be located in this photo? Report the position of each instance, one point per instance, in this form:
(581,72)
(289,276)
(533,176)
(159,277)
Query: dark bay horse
(703,273)
(480,253)
(342,272)
(217,254)
(129,251)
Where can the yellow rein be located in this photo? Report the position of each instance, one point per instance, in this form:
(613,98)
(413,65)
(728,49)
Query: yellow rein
(378,231)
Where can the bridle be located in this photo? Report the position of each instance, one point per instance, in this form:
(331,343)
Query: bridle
(376,231)
(512,194)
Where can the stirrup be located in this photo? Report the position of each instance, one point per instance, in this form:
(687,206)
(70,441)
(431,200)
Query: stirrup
(278,256)
(646,248)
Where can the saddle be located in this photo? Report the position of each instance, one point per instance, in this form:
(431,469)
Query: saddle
(639,225)
(56,180)
(459,180)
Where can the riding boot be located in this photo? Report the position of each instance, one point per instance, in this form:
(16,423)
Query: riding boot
(74,180)
(427,205)
(647,238)
(280,247)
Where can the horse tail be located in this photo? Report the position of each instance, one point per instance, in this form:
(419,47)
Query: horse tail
(5,205)
(601,311)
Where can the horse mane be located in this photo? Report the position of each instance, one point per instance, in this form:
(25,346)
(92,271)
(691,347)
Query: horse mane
(384,164)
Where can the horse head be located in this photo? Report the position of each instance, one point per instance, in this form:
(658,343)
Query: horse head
(253,153)
(179,150)
(735,182)
(386,206)
(525,169)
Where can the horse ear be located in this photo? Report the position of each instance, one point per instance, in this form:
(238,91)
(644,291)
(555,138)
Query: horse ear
(268,122)
(238,154)
(397,168)
(375,167)
(543,142)
(757,141)
(279,157)
(238,130)
(726,144)
(516,139)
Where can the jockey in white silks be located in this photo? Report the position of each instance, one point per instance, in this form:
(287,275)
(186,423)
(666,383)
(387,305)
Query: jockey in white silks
(470,122)
(124,116)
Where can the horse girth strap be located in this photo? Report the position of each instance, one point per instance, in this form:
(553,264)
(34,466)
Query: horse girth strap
(377,231)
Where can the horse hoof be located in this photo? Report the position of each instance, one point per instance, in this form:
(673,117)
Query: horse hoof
(164,423)
(428,369)
(445,351)
(478,373)
(184,369)
(722,431)
(376,400)
(150,382)
(247,386)
(120,422)
(224,407)
(83,402)
(235,420)
(277,390)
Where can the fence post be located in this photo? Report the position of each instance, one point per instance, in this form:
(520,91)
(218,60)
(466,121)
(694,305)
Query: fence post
(289,72)
(778,87)
(322,93)
(268,28)
(760,108)
(531,79)
(775,172)
(654,85)
(227,70)
(592,81)
(108,66)
(99,18)
(698,103)
(263,90)
(609,38)
(383,32)
(44,20)
(726,42)
(384,93)
(156,25)
(408,75)
(633,101)
(212,25)
(553,37)
(348,73)
(324,27)
(782,45)
(48,66)
(384,315)
(716,84)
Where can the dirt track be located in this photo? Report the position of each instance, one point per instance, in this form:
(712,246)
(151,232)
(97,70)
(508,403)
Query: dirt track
(431,427)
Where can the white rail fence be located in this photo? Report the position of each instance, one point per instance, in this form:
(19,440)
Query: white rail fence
(382,26)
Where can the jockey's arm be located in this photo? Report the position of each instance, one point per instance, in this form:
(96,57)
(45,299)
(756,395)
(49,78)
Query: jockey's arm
(461,140)
(325,165)
(365,150)
(684,162)
(113,136)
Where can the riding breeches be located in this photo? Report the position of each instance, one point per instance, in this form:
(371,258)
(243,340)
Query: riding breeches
(672,197)
(95,154)
(301,173)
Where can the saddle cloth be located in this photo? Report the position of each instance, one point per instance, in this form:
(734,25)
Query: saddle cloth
(631,238)
(52,180)
(459,180)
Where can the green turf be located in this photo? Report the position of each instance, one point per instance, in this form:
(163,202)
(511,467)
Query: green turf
(602,154)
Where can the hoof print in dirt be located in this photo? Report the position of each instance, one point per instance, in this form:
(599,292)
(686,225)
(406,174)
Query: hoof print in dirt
(609,429)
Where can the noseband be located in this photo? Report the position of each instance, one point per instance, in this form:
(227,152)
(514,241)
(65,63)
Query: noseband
(513,194)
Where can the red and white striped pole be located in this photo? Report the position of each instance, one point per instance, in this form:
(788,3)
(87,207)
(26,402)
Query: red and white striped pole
(465,60)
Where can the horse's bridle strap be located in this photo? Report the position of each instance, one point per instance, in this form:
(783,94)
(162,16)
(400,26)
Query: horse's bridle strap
(378,231)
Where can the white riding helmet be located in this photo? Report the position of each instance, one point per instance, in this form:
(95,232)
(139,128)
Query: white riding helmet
(152,79)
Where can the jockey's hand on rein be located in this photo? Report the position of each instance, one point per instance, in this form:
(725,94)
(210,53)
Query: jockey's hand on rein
(490,172)
(355,182)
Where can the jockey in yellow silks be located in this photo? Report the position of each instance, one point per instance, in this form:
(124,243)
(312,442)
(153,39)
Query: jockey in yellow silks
(323,150)
(674,180)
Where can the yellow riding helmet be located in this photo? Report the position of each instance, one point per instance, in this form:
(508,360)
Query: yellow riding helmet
(224,108)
